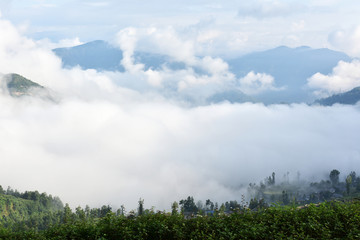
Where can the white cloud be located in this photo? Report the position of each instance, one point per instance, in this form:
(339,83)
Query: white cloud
(214,73)
(255,83)
(167,41)
(68,42)
(155,78)
(347,41)
(101,152)
(270,9)
(214,65)
(208,36)
(344,77)
(127,40)
(298,26)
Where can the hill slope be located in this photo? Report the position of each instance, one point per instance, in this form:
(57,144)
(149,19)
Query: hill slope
(30,208)
(97,55)
(350,97)
(18,86)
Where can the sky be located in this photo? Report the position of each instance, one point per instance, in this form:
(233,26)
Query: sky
(112,138)
(213,27)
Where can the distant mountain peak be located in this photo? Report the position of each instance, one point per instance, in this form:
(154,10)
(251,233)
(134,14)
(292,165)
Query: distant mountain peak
(280,47)
(98,54)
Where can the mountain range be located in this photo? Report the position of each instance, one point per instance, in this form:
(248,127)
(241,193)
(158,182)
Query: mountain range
(18,86)
(102,56)
(290,68)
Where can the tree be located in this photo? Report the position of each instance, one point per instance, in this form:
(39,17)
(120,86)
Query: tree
(123,211)
(68,215)
(174,208)
(188,205)
(257,204)
(273,178)
(334,177)
(222,208)
(80,213)
(353,177)
(141,207)
(87,211)
(209,205)
(348,183)
(105,209)
(285,197)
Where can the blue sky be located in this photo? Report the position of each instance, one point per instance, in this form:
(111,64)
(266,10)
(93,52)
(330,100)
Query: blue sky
(236,26)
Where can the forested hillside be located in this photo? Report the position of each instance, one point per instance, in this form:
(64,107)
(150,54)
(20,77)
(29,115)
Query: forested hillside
(30,209)
(327,209)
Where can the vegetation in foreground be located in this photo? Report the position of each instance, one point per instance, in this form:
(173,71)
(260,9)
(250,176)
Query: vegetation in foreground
(329,220)
(298,213)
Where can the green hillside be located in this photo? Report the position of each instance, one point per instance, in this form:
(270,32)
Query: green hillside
(19,85)
(28,210)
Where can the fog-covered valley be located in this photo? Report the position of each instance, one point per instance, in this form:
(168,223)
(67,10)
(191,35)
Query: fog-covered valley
(170,121)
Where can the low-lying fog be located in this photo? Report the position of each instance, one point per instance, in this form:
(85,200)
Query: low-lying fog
(109,140)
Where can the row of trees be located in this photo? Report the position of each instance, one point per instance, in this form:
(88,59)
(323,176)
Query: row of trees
(48,201)
(300,192)
(32,209)
(331,220)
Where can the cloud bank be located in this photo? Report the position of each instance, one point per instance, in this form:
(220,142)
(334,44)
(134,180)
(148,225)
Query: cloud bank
(344,77)
(254,83)
(108,142)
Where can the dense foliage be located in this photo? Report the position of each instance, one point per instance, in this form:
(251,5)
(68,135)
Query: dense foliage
(31,209)
(278,211)
(330,220)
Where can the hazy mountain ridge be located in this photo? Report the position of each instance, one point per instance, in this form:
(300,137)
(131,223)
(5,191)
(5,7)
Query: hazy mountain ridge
(102,56)
(290,68)
(349,97)
(98,55)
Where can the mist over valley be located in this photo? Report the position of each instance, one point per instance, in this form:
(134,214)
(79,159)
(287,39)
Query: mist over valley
(162,111)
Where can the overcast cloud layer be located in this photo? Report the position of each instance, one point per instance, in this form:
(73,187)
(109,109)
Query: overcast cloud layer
(113,138)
